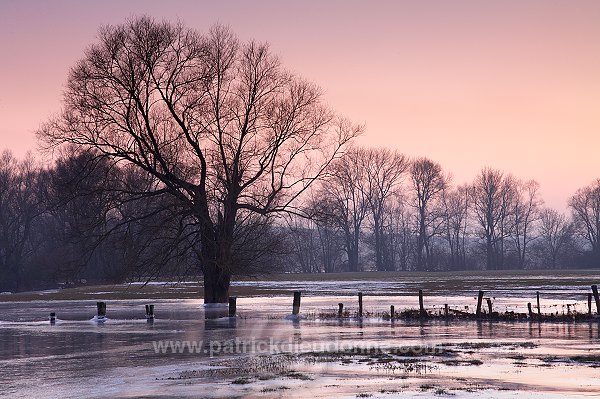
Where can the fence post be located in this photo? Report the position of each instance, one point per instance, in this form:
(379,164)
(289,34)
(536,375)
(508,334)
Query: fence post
(360,304)
(150,312)
(296,304)
(52,318)
(595,292)
(101,306)
(479,299)
(529,310)
(538,304)
(589,303)
(392,311)
(422,312)
(446,310)
(489,303)
(232,306)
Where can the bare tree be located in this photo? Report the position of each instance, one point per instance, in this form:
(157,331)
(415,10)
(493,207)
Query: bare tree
(486,200)
(506,221)
(501,207)
(324,214)
(303,240)
(21,202)
(399,233)
(428,183)
(525,212)
(343,196)
(383,171)
(456,215)
(555,237)
(220,125)
(78,201)
(585,205)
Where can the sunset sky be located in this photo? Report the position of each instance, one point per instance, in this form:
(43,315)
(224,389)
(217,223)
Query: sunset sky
(514,85)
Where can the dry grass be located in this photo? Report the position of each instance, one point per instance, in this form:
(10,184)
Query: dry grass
(439,282)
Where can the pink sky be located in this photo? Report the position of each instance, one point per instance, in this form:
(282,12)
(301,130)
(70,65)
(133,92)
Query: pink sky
(514,85)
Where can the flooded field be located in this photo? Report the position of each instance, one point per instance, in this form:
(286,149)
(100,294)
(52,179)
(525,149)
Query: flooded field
(194,351)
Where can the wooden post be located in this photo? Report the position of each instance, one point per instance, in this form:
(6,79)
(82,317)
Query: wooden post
(538,304)
(340,309)
(52,318)
(232,306)
(360,305)
(150,312)
(422,312)
(595,292)
(446,310)
(589,303)
(392,311)
(296,304)
(529,309)
(479,299)
(101,309)
(489,303)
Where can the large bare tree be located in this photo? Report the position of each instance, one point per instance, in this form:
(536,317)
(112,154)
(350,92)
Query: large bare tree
(220,124)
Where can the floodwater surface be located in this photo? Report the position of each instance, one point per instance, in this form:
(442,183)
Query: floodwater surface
(195,351)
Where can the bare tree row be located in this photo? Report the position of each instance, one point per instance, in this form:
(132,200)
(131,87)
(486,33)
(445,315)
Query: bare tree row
(87,219)
(378,210)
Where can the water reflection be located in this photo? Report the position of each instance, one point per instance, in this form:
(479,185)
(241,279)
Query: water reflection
(76,351)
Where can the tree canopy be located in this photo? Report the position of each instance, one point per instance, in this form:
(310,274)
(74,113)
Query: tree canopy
(220,125)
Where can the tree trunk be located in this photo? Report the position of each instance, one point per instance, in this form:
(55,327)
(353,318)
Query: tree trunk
(421,240)
(18,281)
(489,253)
(379,265)
(216,284)
(352,252)
(215,254)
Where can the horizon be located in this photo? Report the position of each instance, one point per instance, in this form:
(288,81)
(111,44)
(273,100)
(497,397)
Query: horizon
(524,102)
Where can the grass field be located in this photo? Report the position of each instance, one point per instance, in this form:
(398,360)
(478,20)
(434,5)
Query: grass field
(281,284)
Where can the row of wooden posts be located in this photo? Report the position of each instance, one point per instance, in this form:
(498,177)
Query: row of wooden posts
(423,312)
(101,315)
(101,306)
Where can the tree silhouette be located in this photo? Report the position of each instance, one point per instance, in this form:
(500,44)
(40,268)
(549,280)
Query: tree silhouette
(220,125)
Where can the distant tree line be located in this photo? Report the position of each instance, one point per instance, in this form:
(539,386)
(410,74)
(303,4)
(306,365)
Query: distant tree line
(85,220)
(378,210)
(73,223)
